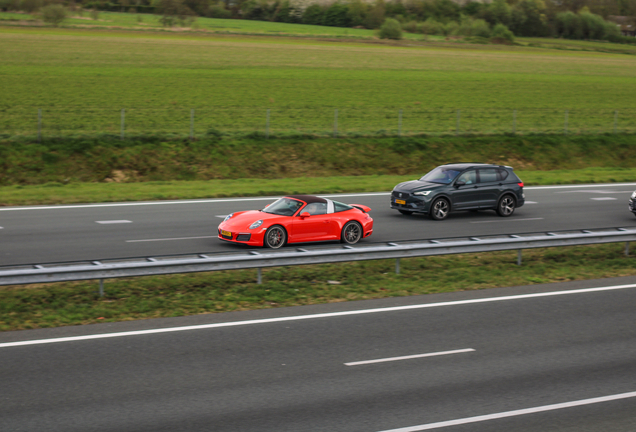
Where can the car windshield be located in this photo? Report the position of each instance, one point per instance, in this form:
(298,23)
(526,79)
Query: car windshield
(441,175)
(284,207)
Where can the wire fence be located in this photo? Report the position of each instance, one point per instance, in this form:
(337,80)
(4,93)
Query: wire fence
(198,122)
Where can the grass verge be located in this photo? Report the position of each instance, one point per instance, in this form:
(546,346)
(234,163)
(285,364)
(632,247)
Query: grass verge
(28,307)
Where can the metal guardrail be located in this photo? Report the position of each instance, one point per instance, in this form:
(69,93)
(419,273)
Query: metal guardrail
(17,275)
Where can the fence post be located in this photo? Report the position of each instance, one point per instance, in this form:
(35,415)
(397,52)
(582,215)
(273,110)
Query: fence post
(259,279)
(39,125)
(191,124)
(101,287)
(123,122)
(514,122)
(565,126)
(518,257)
(397,266)
(400,124)
(335,123)
(267,125)
(459,115)
(615,120)
(626,248)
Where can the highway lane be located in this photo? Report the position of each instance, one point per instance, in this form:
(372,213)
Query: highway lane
(72,233)
(516,348)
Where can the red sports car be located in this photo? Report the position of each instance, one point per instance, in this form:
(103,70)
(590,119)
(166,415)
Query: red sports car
(298,219)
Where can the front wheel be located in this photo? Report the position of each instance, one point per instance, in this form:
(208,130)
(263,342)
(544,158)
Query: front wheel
(275,237)
(440,208)
(506,206)
(351,233)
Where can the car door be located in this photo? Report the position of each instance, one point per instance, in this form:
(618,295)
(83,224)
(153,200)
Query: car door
(314,227)
(465,195)
(490,187)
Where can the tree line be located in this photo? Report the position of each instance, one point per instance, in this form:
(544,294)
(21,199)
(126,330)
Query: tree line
(574,19)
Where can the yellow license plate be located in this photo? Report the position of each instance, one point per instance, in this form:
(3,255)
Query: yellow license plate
(226,233)
(400,202)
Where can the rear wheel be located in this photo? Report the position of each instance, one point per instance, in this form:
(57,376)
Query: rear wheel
(275,237)
(440,208)
(351,233)
(406,212)
(506,206)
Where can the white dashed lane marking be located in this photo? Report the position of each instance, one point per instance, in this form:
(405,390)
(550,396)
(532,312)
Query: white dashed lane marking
(509,220)
(531,202)
(603,199)
(441,353)
(113,222)
(167,239)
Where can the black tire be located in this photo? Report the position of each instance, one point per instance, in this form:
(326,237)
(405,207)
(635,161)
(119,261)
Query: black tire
(275,237)
(351,233)
(440,208)
(406,212)
(506,206)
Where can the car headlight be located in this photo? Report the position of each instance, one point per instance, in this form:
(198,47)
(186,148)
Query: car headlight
(256,224)
(422,193)
(227,218)
(634,195)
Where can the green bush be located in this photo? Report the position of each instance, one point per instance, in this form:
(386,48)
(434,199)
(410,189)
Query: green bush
(480,28)
(501,33)
(411,27)
(218,11)
(391,29)
(54,14)
(431,27)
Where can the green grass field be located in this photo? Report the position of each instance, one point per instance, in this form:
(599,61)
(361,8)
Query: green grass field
(82,78)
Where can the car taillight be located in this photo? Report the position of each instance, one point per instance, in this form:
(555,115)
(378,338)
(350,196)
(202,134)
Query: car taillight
(520,184)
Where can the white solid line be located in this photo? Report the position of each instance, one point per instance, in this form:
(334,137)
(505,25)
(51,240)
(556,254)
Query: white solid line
(441,353)
(208,201)
(272,198)
(514,413)
(508,220)
(603,199)
(591,186)
(315,316)
(167,239)
(113,222)
(531,202)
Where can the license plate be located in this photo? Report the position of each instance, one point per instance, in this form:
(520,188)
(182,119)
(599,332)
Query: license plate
(226,233)
(400,202)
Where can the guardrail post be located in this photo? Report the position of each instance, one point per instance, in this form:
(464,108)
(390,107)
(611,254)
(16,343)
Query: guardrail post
(459,116)
(191,124)
(518,257)
(615,120)
(335,123)
(39,125)
(626,248)
(397,266)
(259,279)
(123,122)
(101,287)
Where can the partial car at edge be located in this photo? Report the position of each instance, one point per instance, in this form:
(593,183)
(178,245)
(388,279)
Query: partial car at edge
(460,186)
(298,219)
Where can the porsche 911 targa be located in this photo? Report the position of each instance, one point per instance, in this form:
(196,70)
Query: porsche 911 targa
(298,219)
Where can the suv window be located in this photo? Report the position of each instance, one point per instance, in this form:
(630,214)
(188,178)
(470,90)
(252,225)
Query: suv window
(489,175)
(503,174)
(469,177)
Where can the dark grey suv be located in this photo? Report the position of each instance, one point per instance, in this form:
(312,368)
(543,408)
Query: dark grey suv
(460,186)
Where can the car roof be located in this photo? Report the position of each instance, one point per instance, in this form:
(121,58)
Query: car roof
(307,198)
(465,165)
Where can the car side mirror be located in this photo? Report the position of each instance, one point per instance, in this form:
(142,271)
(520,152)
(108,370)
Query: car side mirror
(305,215)
(459,183)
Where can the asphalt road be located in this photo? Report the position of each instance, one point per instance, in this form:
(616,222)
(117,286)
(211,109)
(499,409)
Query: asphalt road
(31,235)
(567,360)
